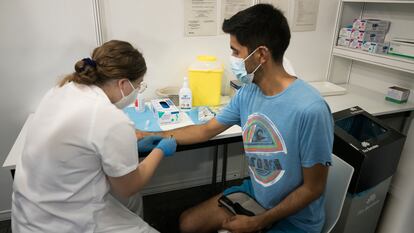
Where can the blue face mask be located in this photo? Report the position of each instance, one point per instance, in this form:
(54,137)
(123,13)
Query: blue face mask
(238,67)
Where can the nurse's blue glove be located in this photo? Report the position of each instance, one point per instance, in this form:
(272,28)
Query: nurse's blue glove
(147,144)
(168,146)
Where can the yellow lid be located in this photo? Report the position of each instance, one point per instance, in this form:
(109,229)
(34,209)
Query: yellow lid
(206,58)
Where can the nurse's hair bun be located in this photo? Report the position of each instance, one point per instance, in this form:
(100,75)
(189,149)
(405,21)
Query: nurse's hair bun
(113,60)
(86,72)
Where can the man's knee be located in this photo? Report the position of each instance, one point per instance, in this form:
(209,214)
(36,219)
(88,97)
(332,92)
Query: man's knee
(187,223)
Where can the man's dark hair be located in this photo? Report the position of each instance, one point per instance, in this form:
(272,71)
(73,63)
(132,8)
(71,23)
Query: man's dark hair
(261,24)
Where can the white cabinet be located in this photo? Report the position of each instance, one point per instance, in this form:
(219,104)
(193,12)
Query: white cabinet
(366,77)
(401,15)
(362,72)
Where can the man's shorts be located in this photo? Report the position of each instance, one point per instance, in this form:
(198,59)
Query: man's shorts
(283,226)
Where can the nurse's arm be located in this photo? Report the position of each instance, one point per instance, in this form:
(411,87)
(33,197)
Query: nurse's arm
(313,186)
(134,181)
(190,134)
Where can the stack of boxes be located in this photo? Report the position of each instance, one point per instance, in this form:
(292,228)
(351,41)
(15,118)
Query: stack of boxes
(366,34)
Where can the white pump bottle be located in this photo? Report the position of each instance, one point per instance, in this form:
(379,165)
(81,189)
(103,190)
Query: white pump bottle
(185,97)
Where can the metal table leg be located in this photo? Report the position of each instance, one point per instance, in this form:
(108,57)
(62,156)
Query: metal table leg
(224,168)
(215,158)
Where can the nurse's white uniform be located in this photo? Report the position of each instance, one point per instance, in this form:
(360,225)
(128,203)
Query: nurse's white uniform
(76,138)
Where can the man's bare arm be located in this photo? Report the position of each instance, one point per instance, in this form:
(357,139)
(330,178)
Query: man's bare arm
(190,134)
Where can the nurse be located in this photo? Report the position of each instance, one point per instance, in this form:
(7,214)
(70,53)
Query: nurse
(80,145)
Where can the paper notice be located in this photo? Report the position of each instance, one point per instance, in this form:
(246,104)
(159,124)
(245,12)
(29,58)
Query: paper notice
(305,15)
(200,17)
(231,7)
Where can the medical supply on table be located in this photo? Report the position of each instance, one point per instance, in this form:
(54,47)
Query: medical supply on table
(165,111)
(205,79)
(140,103)
(355,44)
(205,114)
(169,92)
(344,37)
(371,25)
(402,47)
(342,41)
(345,32)
(369,36)
(397,95)
(185,96)
(373,47)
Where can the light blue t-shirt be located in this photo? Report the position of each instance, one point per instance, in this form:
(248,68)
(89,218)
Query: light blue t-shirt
(282,134)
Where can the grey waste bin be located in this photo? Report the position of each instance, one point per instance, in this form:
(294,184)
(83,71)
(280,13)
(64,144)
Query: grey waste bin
(373,149)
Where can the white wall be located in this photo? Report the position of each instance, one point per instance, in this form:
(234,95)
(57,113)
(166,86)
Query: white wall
(309,51)
(41,40)
(158,30)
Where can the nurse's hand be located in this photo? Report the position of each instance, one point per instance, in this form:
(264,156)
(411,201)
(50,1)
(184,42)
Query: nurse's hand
(168,146)
(147,144)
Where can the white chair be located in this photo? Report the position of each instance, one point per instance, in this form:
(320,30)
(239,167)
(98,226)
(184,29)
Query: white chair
(339,177)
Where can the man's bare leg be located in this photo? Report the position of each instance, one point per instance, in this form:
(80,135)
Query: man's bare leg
(205,217)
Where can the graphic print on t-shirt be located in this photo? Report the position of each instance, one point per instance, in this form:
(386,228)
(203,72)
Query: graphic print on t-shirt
(263,144)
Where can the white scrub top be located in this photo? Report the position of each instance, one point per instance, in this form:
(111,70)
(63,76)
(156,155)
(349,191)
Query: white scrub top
(76,138)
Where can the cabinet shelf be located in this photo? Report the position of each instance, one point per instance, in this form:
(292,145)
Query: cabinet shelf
(388,61)
(367,76)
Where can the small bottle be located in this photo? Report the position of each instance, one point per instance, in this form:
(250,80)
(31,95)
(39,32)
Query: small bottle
(185,97)
(140,103)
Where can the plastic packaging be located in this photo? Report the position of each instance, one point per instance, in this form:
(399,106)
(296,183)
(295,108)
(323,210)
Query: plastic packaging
(185,96)
(165,111)
(205,114)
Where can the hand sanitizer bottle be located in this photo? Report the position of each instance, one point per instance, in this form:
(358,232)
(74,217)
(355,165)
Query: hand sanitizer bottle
(185,96)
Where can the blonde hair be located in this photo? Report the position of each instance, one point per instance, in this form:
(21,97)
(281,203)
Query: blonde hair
(113,60)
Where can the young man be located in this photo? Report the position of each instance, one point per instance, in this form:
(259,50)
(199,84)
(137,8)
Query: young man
(287,133)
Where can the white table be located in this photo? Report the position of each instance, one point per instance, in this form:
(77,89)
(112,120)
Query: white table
(233,134)
(370,101)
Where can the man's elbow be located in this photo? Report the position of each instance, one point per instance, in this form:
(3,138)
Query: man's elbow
(203,133)
(316,191)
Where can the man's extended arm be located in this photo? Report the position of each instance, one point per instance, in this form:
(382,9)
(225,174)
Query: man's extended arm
(190,134)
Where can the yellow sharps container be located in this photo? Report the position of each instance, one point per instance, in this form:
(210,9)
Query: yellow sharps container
(205,77)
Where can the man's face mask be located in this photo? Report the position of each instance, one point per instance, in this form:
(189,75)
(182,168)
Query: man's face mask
(238,67)
(129,99)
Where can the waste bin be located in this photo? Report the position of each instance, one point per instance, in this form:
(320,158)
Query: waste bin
(373,149)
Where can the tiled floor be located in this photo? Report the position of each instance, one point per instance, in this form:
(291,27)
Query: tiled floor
(163,210)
